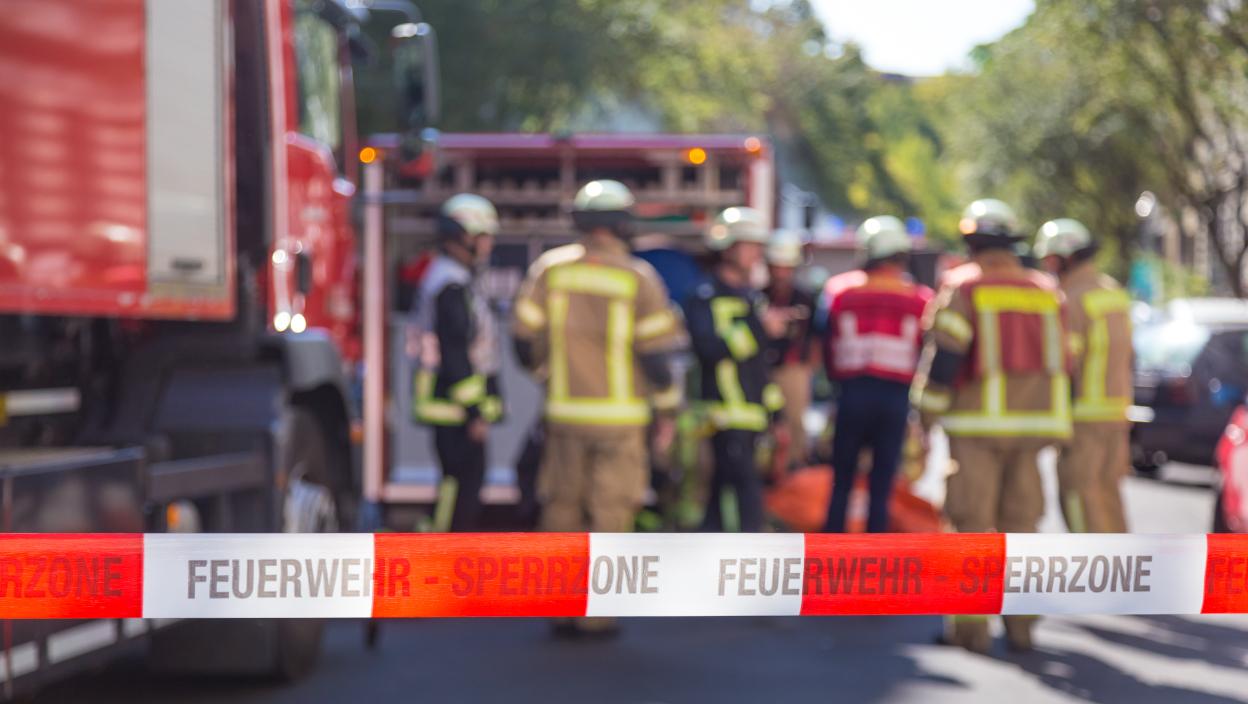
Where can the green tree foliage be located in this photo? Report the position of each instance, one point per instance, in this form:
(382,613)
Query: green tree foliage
(696,66)
(1075,113)
(1091,102)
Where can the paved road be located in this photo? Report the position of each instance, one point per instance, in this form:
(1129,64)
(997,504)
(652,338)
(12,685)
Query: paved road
(1103,659)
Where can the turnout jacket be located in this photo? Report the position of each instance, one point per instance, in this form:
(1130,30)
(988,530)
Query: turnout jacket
(728,339)
(456,376)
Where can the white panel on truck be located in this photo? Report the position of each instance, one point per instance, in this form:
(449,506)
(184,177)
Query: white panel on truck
(188,223)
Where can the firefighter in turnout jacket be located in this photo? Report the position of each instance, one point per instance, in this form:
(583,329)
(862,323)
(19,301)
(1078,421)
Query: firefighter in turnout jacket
(994,376)
(729,328)
(872,349)
(790,355)
(1099,321)
(455,385)
(599,322)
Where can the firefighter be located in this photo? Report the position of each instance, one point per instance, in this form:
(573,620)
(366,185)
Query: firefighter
(455,386)
(598,321)
(872,349)
(993,375)
(790,354)
(1099,321)
(729,328)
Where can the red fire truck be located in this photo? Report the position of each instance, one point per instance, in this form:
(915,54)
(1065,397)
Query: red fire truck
(178,286)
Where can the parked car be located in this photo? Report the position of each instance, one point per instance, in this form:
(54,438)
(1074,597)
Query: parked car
(1191,372)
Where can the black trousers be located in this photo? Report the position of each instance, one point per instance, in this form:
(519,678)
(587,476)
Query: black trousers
(734,467)
(871,413)
(464,460)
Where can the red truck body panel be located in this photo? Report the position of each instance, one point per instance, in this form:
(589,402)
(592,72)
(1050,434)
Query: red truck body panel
(74,174)
(73,220)
(76,231)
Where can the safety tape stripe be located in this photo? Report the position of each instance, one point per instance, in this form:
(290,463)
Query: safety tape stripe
(392,575)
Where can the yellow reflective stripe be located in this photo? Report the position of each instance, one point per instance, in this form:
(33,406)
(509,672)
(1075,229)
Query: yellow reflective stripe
(1075,343)
(1092,404)
(668,398)
(1026,424)
(441,413)
(492,408)
(1109,409)
(1059,387)
(1075,520)
(741,342)
(728,382)
(557,387)
(423,383)
(989,341)
(1050,423)
(724,312)
(593,279)
(727,416)
(930,400)
(1015,299)
(954,325)
(773,398)
(530,314)
(430,410)
(469,390)
(620,349)
(597,412)
(994,393)
(736,334)
(1101,302)
(656,324)
(1053,360)
(1095,362)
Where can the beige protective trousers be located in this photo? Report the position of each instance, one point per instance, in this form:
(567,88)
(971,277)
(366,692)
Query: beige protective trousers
(1089,474)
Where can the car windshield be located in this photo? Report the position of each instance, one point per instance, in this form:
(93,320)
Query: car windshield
(1169,346)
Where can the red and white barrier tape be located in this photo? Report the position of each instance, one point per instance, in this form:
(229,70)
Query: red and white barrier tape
(598,574)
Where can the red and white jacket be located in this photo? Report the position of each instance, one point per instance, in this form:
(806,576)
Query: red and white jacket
(874,325)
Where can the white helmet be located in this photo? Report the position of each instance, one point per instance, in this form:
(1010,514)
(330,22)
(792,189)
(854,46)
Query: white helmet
(883,236)
(474,214)
(785,248)
(1062,237)
(604,204)
(989,217)
(737,224)
(603,195)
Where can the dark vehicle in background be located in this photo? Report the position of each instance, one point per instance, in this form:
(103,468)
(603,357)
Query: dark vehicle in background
(1191,372)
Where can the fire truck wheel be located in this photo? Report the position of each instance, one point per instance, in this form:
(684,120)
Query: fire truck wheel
(307,507)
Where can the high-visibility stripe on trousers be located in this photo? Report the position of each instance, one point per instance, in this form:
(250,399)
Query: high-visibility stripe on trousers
(613,574)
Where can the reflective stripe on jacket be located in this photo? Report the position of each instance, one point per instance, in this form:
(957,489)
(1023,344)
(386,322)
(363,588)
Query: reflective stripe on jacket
(454,378)
(873,326)
(1100,344)
(590,310)
(728,339)
(1004,327)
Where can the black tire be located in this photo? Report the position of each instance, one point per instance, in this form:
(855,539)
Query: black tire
(306,459)
(280,649)
(1219,517)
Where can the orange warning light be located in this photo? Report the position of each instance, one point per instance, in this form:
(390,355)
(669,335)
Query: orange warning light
(696,156)
(753,145)
(368,155)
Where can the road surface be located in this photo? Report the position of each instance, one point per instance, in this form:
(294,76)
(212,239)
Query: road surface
(1160,659)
